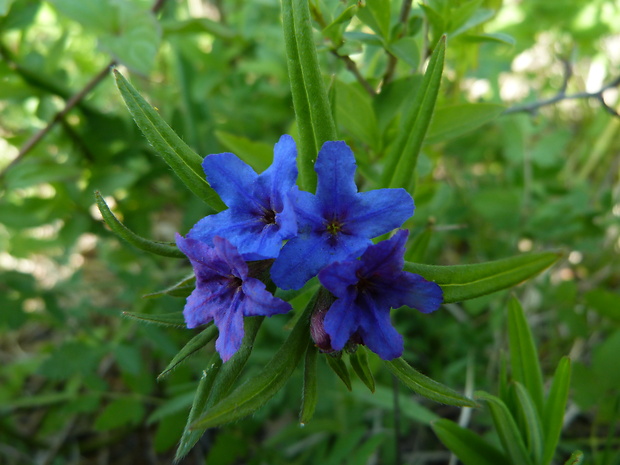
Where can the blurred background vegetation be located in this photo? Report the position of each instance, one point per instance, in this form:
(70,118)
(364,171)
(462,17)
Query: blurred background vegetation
(78,382)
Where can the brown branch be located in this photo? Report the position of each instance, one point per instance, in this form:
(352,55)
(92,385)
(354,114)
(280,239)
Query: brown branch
(533,107)
(392,60)
(70,104)
(352,67)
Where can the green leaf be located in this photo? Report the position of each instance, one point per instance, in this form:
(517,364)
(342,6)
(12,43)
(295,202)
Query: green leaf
(251,395)
(529,421)
(507,429)
(220,383)
(604,302)
(377,14)
(340,368)
(463,282)
(186,163)
(256,154)
(406,49)
(309,395)
(359,362)
(165,319)
(403,157)
(426,386)
(181,289)
(120,412)
(455,120)
(159,248)
(195,344)
(189,437)
(312,109)
(555,406)
(470,448)
(523,354)
(576,458)
(419,245)
(355,113)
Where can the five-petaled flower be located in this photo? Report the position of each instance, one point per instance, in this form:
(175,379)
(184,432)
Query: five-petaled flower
(224,292)
(338,222)
(366,289)
(260,213)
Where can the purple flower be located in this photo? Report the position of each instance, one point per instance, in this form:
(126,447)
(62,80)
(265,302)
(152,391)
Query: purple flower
(366,289)
(337,222)
(224,292)
(260,213)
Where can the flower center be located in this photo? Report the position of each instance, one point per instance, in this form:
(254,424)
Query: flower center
(334,227)
(269,216)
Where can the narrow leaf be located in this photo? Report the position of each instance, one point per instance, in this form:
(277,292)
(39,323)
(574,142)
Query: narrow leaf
(507,430)
(403,157)
(251,395)
(177,154)
(195,344)
(165,319)
(359,362)
(426,386)
(463,282)
(309,395)
(159,248)
(181,289)
(220,385)
(555,406)
(340,368)
(529,421)
(312,110)
(523,354)
(190,437)
(470,448)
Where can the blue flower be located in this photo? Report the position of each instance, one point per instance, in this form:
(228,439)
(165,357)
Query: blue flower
(260,214)
(337,222)
(366,289)
(224,292)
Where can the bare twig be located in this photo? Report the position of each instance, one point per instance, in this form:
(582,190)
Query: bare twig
(352,67)
(561,95)
(70,104)
(392,60)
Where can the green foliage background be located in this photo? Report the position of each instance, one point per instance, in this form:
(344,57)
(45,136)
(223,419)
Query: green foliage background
(78,382)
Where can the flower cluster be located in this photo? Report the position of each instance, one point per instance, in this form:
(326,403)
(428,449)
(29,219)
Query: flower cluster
(327,234)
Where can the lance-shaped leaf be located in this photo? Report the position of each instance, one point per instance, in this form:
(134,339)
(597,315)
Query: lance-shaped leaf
(340,368)
(403,156)
(529,422)
(175,319)
(470,448)
(158,248)
(523,355)
(426,386)
(189,437)
(312,109)
(309,395)
(555,406)
(359,362)
(576,458)
(195,344)
(251,395)
(507,430)
(463,282)
(185,163)
(181,289)
(220,386)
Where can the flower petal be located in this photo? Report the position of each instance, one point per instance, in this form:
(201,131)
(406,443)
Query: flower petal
(339,276)
(385,257)
(379,211)
(259,301)
(335,167)
(341,321)
(281,176)
(414,291)
(205,261)
(377,331)
(230,254)
(232,178)
(230,326)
